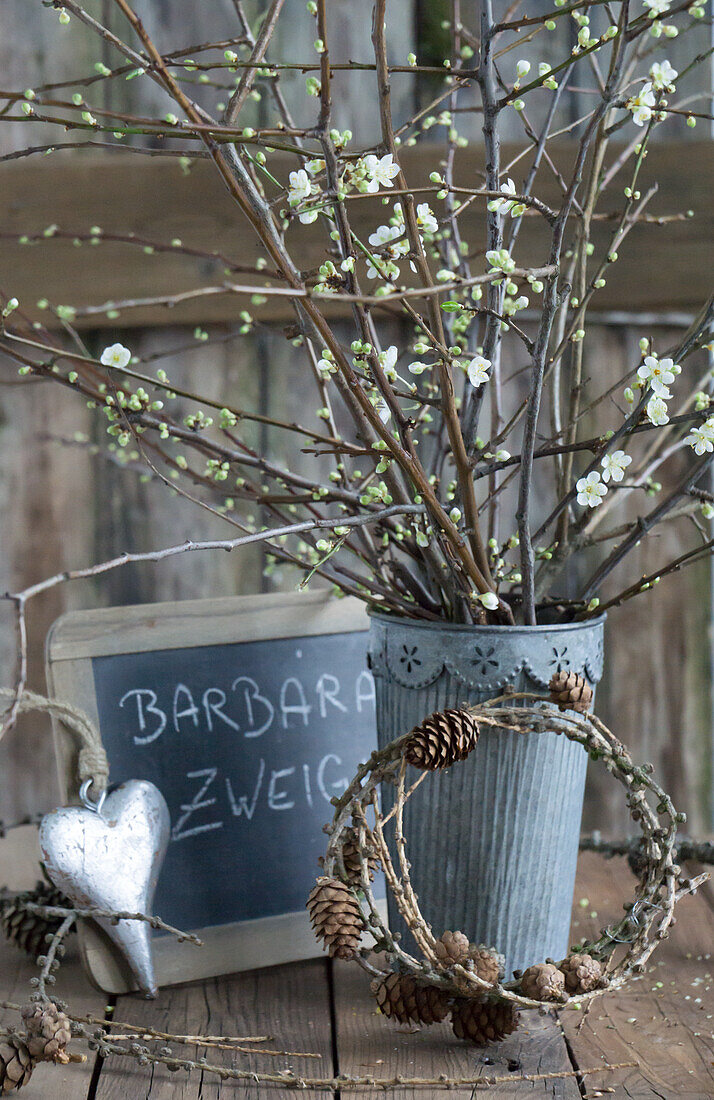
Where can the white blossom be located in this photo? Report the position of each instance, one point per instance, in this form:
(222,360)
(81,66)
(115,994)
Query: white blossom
(657,412)
(658,373)
(478,370)
(426,219)
(386,233)
(418,368)
(383,411)
(657,7)
(381,171)
(663,75)
(300,187)
(504,205)
(382,237)
(591,490)
(116,356)
(701,439)
(642,105)
(388,361)
(614,466)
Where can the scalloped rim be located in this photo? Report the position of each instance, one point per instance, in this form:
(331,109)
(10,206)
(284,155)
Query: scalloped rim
(390,637)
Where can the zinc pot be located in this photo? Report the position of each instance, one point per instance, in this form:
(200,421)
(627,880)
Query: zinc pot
(492,841)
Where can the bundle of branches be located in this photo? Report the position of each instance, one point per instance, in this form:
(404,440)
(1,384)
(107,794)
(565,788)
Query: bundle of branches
(418,507)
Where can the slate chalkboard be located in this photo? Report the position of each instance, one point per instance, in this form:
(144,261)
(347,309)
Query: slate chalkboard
(249,714)
(248,743)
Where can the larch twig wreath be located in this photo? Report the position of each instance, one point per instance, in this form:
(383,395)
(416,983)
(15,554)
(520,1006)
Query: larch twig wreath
(447,975)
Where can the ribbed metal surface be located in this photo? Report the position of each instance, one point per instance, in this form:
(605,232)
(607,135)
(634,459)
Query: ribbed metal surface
(493,842)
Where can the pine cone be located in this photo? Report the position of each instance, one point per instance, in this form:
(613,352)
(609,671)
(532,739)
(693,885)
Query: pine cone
(26,929)
(442,739)
(452,948)
(16,1063)
(570,691)
(582,973)
(401,998)
(351,859)
(637,860)
(336,917)
(48,1032)
(543,982)
(483,1022)
(487,963)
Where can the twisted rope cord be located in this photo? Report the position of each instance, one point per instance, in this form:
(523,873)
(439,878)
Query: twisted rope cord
(92,762)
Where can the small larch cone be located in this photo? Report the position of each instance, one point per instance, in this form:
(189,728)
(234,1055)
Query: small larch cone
(487,963)
(637,860)
(570,691)
(582,973)
(442,739)
(483,1022)
(48,1032)
(336,917)
(16,1063)
(401,998)
(351,859)
(543,982)
(25,928)
(452,948)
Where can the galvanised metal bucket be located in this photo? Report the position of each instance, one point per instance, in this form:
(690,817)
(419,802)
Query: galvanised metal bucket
(493,841)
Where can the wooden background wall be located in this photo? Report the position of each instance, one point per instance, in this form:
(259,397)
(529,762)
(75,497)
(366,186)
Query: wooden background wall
(63,504)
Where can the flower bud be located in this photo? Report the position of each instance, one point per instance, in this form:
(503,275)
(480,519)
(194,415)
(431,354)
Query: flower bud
(489,600)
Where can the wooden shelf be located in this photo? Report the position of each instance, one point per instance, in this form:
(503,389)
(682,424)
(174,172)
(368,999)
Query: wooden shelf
(661,267)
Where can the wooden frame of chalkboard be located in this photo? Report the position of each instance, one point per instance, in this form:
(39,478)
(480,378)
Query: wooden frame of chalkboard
(77,647)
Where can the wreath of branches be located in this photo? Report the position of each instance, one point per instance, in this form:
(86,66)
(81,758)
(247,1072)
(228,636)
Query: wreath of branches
(623,947)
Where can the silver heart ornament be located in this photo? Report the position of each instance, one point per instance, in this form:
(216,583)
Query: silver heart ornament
(109,856)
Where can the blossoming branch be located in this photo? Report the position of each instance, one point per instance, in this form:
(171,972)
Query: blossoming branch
(447,488)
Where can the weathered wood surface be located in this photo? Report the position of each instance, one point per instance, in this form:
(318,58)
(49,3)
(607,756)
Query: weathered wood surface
(158,201)
(368,1045)
(663,1021)
(288,1003)
(47,524)
(72,1082)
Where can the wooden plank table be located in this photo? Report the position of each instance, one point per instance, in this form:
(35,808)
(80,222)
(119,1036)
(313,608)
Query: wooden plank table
(664,1022)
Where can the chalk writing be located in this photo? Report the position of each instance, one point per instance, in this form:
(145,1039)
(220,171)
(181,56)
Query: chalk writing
(284,789)
(248,742)
(243,710)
